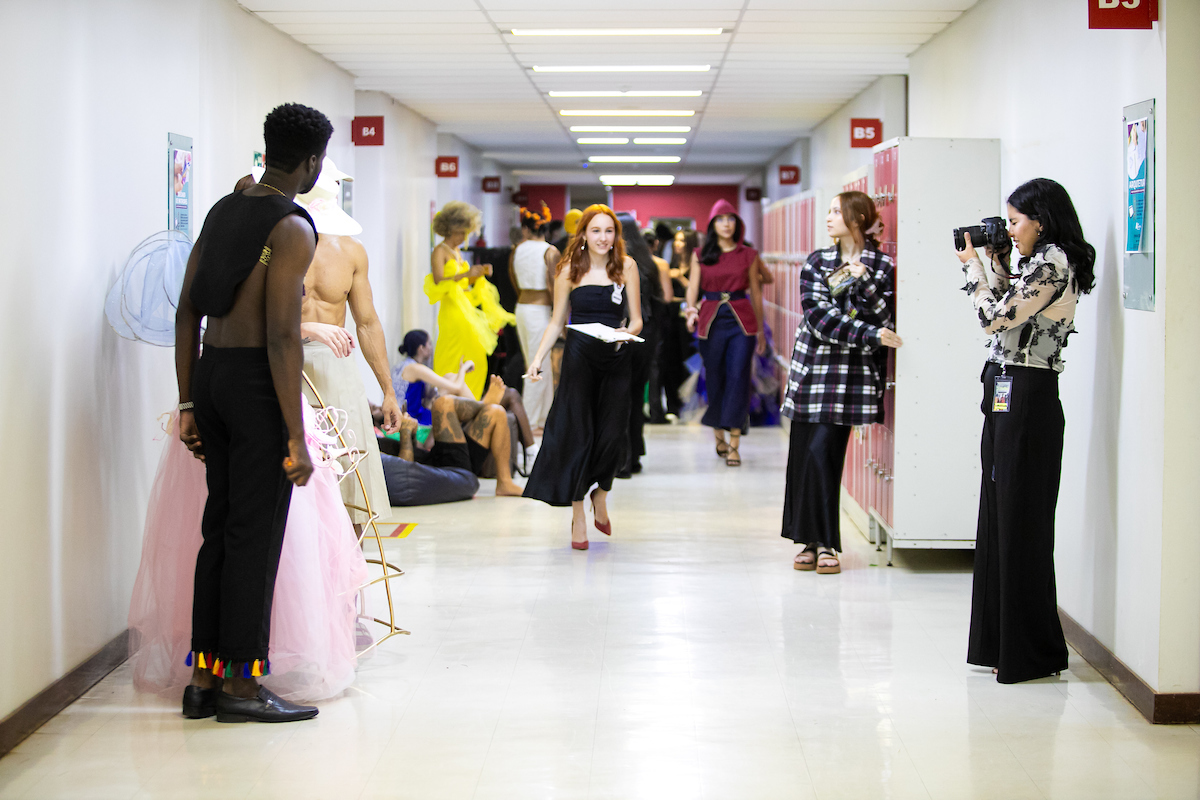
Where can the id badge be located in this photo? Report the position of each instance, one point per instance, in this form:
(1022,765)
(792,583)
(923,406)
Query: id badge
(1002,396)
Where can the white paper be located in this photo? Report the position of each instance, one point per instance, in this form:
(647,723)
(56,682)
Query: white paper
(598,330)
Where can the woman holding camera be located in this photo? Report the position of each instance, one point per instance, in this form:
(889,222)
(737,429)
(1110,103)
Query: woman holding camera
(836,379)
(1014,606)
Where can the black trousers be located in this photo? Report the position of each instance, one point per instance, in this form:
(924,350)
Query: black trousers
(245,442)
(812,500)
(1014,603)
(642,358)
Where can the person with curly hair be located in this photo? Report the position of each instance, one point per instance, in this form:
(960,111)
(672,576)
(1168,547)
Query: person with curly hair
(240,412)
(469,314)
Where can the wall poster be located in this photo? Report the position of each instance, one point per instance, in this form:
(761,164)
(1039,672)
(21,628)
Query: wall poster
(1137,130)
(179,183)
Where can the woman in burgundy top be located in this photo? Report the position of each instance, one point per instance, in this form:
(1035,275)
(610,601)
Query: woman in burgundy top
(726,275)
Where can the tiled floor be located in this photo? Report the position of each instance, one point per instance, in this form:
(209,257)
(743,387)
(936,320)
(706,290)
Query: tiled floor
(683,658)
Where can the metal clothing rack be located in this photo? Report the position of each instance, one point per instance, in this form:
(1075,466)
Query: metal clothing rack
(389,570)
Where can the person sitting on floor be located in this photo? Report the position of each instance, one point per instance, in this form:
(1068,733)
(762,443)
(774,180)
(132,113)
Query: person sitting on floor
(417,385)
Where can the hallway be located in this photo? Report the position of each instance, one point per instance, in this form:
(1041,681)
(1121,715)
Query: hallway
(683,658)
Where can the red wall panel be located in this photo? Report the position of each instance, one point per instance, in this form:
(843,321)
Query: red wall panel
(554,195)
(684,200)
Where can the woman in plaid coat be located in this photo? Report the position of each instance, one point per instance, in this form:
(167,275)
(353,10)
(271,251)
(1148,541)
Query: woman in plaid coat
(837,373)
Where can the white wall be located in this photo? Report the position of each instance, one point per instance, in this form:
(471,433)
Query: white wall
(498,210)
(394,199)
(94,89)
(830,151)
(795,154)
(1054,98)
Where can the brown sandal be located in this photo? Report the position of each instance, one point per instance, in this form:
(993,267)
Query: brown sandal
(809,564)
(827,554)
(733,458)
(722,448)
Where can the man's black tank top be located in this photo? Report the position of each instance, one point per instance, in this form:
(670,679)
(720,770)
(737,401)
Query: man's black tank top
(232,242)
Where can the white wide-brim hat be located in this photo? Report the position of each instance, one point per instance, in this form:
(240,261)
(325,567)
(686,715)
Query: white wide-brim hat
(321,203)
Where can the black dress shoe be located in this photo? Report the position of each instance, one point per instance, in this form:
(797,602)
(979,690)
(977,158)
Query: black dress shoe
(199,703)
(263,707)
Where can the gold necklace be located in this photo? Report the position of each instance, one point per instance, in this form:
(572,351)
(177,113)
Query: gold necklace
(269,186)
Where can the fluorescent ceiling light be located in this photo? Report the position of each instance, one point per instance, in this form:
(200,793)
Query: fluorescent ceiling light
(602,140)
(634,159)
(660,140)
(617,31)
(637,180)
(621,112)
(683,93)
(618,68)
(630,128)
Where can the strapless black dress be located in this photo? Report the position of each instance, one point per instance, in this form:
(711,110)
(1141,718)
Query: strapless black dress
(586,436)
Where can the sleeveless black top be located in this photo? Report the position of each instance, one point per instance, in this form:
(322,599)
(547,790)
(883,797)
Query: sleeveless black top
(232,242)
(595,304)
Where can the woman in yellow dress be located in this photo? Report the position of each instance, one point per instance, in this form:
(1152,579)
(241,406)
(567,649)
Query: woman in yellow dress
(470,314)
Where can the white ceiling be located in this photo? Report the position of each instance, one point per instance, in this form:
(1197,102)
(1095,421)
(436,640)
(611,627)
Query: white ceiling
(778,68)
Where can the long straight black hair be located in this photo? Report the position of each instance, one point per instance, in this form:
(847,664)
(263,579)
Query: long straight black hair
(711,252)
(1047,202)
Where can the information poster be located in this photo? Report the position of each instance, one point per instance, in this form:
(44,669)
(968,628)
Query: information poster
(179,183)
(1135,191)
(1137,194)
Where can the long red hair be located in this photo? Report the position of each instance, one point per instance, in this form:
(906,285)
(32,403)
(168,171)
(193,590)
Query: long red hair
(576,256)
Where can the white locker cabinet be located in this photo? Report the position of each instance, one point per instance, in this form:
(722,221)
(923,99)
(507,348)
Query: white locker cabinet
(924,188)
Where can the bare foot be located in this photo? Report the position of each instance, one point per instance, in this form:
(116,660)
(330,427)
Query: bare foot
(408,425)
(508,489)
(495,391)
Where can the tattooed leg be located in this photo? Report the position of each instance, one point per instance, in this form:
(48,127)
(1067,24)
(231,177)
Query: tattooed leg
(490,429)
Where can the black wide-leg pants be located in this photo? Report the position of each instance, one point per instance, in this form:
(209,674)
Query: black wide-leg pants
(812,500)
(244,441)
(1014,603)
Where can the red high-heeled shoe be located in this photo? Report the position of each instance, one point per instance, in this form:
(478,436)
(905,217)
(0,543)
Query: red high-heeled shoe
(578,545)
(606,528)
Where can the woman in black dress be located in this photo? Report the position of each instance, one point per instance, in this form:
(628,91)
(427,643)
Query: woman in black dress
(587,432)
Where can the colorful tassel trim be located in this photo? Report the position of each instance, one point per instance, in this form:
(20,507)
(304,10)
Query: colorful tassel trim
(226,669)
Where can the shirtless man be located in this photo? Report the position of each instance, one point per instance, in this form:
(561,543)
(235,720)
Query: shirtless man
(337,279)
(240,413)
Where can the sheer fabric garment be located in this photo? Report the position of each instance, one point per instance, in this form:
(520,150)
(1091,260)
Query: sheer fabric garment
(312,652)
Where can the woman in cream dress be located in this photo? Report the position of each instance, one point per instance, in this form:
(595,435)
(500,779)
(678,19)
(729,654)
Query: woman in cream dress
(532,272)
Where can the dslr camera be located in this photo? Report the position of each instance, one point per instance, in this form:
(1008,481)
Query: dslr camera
(991,232)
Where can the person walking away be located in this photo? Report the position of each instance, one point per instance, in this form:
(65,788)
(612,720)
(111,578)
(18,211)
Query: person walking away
(532,273)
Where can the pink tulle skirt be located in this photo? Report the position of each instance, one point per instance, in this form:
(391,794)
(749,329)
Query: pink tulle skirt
(321,568)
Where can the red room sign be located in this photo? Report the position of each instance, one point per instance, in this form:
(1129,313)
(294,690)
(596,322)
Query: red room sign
(866,132)
(491,184)
(789,175)
(753,194)
(1122,14)
(365,131)
(446,166)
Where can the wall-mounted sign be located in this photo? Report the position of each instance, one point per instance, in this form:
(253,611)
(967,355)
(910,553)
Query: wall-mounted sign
(1122,14)
(789,175)
(491,184)
(866,132)
(1137,288)
(520,198)
(753,194)
(367,131)
(179,183)
(446,166)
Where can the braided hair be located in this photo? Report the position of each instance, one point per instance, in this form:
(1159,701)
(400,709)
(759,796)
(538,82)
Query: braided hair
(292,133)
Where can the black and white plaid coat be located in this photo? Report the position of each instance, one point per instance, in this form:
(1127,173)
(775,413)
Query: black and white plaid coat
(838,366)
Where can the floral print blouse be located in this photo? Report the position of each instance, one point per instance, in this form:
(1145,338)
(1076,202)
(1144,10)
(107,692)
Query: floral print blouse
(1029,316)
